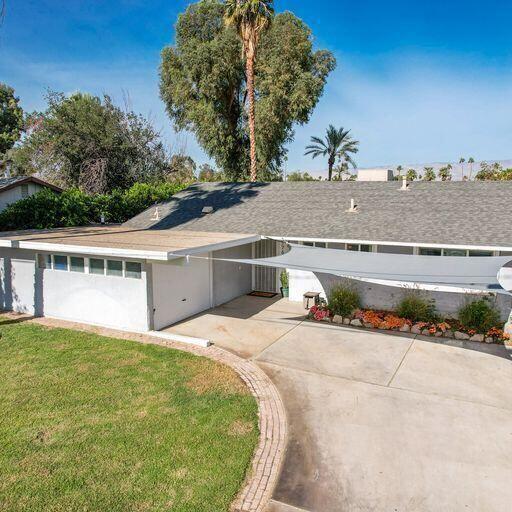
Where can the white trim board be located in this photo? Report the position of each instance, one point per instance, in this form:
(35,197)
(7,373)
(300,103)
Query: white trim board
(388,243)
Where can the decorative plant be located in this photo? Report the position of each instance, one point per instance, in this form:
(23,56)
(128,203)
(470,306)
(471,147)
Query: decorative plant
(284,278)
(480,315)
(343,300)
(417,308)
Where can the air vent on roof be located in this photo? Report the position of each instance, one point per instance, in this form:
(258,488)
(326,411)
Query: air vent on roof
(353,207)
(156,215)
(207,209)
(405,185)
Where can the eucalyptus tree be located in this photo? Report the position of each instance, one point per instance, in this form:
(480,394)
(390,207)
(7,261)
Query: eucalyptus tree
(203,84)
(337,145)
(250,18)
(11,119)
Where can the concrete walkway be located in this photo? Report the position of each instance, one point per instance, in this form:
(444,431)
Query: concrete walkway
(376,422)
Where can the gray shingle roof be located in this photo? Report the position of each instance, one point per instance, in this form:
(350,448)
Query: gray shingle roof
(455,213)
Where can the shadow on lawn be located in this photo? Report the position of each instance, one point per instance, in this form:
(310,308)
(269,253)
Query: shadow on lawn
(14,319)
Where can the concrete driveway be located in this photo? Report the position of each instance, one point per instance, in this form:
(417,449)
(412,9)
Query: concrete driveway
(376,422)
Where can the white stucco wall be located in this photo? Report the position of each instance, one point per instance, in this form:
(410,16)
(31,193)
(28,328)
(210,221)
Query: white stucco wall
(230,280)
(17,292)
(180,290)
(109,301)
(379,296)
(14,194)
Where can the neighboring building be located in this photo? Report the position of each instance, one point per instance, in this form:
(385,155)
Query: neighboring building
(164,265)
(375,175)
(14,189)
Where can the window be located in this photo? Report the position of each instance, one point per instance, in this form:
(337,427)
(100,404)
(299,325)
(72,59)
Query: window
(96,266)
(430,251)
(359,247)
(24,191)
(395,249)
(114,268)
(454,252)
(480,253)
(336,245)
(320,244)
(133,270)
(60,262)
(309,244)
(76,264)
(44,261)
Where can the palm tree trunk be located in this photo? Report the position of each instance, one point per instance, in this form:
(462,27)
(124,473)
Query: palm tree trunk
(252,112)
(331,165)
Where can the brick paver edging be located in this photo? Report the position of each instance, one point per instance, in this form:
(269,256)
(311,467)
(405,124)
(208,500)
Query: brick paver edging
(268,457)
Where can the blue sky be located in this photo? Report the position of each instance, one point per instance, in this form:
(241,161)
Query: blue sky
(416,81)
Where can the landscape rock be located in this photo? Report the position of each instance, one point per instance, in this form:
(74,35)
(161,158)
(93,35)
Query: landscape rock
(425,332)
(415,329)
(346,321)
(438,334)
(461,335)
(368,325)
(477,337)
(356,322)
(489,339)
(405,328)
(337,319)
(448,334)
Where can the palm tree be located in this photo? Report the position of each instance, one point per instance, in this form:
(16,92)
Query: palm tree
(445,173)
(461,162)
(412,175)
(399,170)
(250,18)
(471,161)
(429,174)
(338,144)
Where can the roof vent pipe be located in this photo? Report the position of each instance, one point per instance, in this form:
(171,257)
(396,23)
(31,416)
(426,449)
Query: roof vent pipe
(405,185)
(353,207)
(156,215)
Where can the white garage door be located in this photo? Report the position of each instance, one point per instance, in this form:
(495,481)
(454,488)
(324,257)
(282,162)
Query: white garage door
(180,291)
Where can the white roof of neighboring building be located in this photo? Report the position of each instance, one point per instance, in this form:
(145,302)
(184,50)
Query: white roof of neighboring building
(123,241)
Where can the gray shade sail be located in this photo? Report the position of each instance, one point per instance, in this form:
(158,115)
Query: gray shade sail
(428,272)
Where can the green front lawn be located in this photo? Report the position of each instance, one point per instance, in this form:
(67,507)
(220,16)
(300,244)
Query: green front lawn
(89,423)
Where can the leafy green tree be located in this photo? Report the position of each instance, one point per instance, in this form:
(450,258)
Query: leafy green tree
(84,141)
(208,173)
(445,173)
(429,174)
(300,176)
(11,119)
(338,144)
(250,18)
(412,175)
(203,85)
(493,172)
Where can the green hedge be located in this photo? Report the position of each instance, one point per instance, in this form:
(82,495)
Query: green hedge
(47,209)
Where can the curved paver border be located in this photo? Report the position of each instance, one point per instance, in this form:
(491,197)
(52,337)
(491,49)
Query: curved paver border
(268,457)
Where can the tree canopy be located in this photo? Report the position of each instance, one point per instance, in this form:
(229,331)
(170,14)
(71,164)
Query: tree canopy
(203,85)
(11,119)
(88,142)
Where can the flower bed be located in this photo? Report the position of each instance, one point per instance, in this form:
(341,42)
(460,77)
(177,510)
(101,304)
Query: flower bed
(389,321)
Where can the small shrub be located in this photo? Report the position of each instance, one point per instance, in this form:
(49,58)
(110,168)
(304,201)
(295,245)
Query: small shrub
(417,308)
(343,300)
(479,315)
(284,279)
